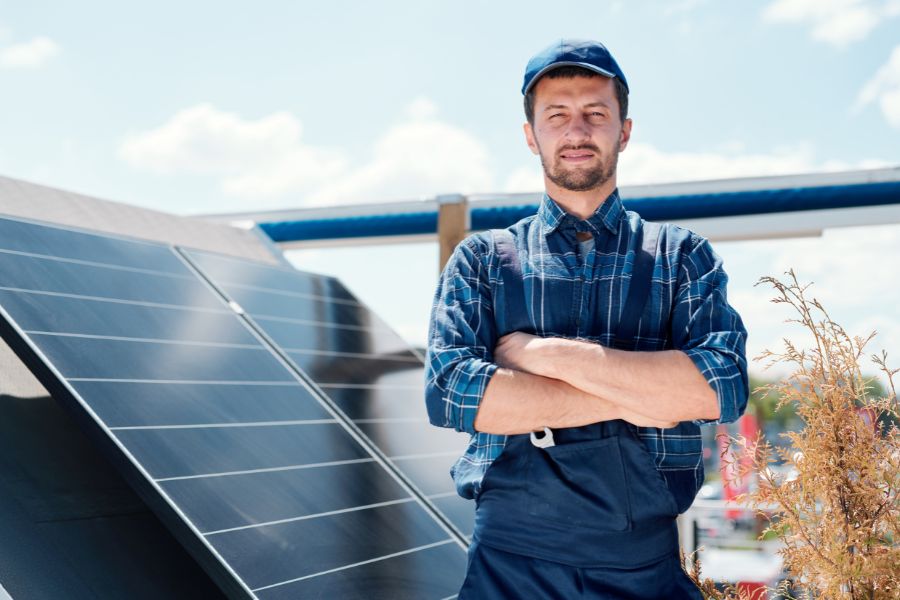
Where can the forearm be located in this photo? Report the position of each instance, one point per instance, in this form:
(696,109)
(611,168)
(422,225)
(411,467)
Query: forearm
(518,402)
(665,384)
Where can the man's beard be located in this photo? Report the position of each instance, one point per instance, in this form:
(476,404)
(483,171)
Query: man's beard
(581,180)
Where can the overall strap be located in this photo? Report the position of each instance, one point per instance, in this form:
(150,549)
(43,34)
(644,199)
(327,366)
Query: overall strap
(639,287)
(514,316)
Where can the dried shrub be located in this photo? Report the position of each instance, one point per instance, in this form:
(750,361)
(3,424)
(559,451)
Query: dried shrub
(839,518)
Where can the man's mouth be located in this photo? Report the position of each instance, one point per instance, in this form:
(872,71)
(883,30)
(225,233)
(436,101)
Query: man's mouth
(580,155)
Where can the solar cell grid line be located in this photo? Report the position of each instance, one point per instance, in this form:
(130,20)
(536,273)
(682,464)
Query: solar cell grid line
(166,429)
(370,374)
(402,437)
(55,382)
(462,538)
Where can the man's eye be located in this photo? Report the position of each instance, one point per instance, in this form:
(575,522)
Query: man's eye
(555,115)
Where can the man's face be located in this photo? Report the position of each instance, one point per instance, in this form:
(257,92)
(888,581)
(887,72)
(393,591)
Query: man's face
(577,131)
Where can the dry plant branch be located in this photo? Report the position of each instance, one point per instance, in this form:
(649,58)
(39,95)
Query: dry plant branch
(839,518)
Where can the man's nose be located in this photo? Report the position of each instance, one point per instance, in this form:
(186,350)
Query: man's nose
(578,129)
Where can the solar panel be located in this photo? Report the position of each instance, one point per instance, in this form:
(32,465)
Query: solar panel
(366,370)
(274,492)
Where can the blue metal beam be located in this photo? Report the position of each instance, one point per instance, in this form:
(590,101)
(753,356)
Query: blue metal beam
(660,208)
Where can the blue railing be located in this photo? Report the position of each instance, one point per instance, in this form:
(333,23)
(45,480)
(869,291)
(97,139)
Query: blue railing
(659,208)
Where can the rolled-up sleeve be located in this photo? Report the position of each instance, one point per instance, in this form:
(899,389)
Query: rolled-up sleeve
(710,331)
(461,339)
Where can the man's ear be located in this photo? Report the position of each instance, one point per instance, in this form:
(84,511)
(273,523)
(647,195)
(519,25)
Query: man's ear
(625,134)
(529,138)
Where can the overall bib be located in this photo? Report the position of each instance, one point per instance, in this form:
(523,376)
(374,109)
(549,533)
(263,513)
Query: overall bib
(582,512)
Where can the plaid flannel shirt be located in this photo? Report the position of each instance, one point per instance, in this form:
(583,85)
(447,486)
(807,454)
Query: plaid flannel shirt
(581,297)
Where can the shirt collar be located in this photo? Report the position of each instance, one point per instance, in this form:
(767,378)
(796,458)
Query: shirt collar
(606,216)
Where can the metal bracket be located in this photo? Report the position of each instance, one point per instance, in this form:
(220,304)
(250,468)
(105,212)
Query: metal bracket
(545,441)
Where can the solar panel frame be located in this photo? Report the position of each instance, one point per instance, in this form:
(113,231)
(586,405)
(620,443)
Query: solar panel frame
(65,390)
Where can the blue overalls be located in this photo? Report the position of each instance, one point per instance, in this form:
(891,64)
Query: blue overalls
(582,512)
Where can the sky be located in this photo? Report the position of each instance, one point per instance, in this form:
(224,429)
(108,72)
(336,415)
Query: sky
(209,107)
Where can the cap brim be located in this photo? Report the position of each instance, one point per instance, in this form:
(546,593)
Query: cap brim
(557,65)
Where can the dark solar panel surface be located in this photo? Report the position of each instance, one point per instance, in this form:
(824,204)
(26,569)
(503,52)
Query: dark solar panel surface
(368,371)
(269,487)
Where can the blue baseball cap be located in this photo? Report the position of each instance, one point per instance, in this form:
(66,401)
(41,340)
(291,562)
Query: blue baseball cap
(572,53)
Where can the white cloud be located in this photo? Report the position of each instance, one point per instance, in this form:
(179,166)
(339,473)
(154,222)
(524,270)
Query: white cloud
(266,158)
(204,139)
(421,156)
(836,22)
(28,55)
(262,157)
(884,88)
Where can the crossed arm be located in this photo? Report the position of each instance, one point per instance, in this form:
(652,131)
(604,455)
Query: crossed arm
(557,382)
(518,383)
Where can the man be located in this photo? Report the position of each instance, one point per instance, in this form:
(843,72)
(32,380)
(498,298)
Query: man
(581,347)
